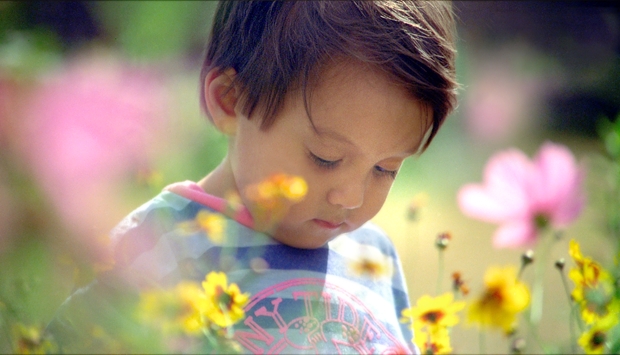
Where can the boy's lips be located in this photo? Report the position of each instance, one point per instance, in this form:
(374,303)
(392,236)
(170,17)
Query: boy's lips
(328,224)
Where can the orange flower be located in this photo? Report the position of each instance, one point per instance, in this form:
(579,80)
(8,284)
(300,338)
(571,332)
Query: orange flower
(458,284)
(372,268)
(271,198)
(212,224)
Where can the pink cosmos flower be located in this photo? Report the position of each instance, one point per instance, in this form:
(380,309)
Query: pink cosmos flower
(85,127)
(526,196)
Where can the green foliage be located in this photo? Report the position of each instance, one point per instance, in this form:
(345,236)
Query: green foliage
(610,134)
(26,53)
(155,29)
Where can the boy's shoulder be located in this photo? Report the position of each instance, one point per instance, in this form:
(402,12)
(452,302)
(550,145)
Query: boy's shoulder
(142,231)
(162,210)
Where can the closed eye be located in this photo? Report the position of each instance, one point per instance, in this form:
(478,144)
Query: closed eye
(323,163)
(385,172)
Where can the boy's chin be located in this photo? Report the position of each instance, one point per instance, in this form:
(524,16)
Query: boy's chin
(301,240)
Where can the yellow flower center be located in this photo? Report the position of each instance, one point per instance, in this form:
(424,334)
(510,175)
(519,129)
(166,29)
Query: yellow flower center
(493,296)
(597,340)
(224,300)
(433,316)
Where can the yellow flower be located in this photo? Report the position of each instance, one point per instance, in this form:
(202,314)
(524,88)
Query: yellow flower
(594,340)
(32,340)
(373,269)
(174,311)
(593,287)
(225,302)
(586,274)
(233,202)
(574,250)
(503,298)
(150,177)
(599,303)
(277,187)
(212,224)
(433,342)
(293,188)
(371,263)
(435,312)
(271,198)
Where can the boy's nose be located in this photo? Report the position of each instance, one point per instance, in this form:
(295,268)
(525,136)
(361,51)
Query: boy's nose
(348,195)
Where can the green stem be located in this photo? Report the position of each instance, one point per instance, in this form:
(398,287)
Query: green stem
(511,338)
(521,271)
(537,294)
(414,233)
(211,339)
(481,341)
(571,328)
(539,281)
(7,332)
(439,271)
(574,312)
(572,318)
(534,333)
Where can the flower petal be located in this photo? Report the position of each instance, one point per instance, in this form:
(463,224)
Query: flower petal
(514,234)
(504,194)
(558,184)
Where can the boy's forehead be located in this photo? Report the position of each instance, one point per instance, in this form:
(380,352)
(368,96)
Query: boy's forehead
(400,143)
(328,134)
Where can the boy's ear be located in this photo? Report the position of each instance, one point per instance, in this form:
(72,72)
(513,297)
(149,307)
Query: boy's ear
(221,99)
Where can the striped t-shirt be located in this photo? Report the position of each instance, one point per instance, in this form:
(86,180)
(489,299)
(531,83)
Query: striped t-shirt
(302,300)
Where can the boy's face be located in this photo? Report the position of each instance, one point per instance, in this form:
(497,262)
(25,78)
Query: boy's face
(365,127)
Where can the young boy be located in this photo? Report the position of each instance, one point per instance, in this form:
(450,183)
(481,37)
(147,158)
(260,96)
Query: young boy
(337,93)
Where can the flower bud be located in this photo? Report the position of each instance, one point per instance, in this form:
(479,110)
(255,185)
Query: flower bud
(527,257)
(559,264)
(443,240)
(517,346)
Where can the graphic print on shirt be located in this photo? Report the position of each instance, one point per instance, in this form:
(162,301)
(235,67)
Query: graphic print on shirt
(313,316)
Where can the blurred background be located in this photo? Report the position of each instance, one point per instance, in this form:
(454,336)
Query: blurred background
(99,111)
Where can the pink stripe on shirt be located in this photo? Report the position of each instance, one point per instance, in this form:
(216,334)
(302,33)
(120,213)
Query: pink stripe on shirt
(192,191)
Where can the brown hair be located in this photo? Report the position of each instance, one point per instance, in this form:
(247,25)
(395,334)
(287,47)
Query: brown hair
(277,47)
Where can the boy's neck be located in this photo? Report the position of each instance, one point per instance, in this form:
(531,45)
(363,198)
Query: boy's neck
(219,182)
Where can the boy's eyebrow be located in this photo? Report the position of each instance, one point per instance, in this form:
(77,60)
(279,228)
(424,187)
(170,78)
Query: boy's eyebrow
(331,134)
(322,132)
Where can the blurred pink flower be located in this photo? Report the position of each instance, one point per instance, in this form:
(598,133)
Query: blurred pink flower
(526,196)
(505,92)
(85,127)
(499,104)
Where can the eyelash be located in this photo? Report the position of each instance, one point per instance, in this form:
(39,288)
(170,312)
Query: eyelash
(331,164)
(323,163)
(385,173)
